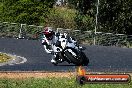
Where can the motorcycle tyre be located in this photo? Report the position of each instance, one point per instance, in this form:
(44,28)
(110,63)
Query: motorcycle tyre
(75,61)
(85,59)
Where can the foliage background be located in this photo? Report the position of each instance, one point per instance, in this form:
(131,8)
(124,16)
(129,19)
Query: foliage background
(114,16)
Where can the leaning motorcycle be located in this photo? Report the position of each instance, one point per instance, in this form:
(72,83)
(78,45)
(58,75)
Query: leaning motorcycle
(69,51)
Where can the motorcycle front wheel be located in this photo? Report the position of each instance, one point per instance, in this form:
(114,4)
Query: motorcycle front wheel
(74,56)
(85,59)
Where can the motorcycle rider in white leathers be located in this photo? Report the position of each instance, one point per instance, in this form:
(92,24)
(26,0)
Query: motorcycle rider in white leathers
(49,38)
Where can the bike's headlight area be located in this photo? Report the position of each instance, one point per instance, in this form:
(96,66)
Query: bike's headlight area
(58,49)
(63,45)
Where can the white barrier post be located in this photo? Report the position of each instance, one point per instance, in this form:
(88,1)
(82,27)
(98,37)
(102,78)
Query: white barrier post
(97,6)
(20,36)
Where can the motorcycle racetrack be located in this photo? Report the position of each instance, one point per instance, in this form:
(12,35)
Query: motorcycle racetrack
(102,58)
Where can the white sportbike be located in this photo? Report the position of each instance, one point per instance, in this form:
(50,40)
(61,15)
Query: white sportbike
(66,49)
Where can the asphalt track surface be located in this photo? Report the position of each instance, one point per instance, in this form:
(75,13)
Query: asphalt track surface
(102,58)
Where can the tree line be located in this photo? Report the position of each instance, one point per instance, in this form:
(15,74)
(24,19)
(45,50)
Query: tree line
(114,15)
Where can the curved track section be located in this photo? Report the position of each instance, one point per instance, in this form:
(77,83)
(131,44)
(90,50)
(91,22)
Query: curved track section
(106,59)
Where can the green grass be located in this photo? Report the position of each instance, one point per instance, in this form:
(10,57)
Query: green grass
(66,13)
(4,58)
(54,83)
(62,17)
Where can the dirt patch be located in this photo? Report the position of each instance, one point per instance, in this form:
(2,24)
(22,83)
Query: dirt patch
(22,75)
(39,74)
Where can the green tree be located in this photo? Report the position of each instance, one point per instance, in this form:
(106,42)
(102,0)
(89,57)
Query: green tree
(81,5)
(115,16)
(83,19)
(25,11)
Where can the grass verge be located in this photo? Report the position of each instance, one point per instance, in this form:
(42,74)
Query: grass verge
(4,58)
(54,83)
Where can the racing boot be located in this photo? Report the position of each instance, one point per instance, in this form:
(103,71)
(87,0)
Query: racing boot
(53,61)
